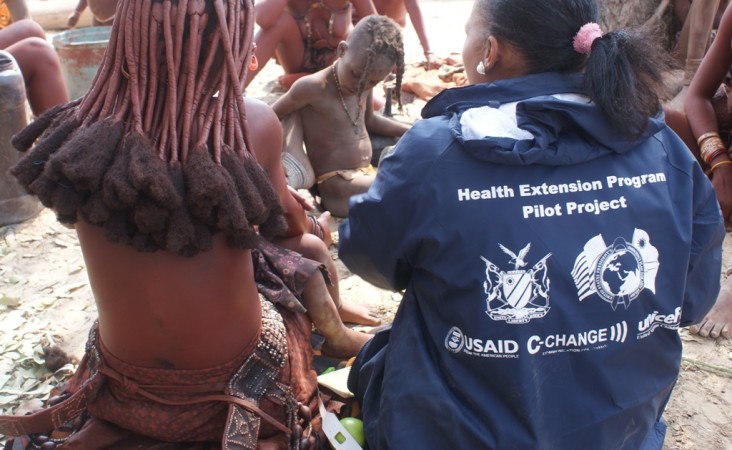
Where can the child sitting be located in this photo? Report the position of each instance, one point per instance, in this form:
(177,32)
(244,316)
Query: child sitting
(335,108)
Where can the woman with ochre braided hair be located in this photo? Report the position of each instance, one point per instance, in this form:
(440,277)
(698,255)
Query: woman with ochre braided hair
(158,169)
(551,234)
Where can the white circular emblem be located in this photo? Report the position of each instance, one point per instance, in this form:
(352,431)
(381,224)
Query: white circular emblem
(454,340)
(619,272)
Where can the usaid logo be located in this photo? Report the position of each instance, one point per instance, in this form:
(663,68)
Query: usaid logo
(457,342)
(454,341)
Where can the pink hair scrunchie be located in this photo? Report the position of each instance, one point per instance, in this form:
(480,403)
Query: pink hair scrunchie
(584,38)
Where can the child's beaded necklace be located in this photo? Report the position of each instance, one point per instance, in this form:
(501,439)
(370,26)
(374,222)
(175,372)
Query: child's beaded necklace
(354,122)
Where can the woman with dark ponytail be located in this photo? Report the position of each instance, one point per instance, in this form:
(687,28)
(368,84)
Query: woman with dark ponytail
(551,235)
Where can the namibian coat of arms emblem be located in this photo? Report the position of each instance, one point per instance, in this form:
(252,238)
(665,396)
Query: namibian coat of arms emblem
(519,295)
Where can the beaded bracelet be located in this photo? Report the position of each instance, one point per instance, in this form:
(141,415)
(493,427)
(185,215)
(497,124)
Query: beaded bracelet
(709,147)
(316,228)
(720,163)
(704,136)
(711,156)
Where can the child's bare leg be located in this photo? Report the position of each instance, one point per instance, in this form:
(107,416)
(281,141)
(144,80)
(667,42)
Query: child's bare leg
(311,247)
(336,192)
(340,341)
(718,322)
(283,38)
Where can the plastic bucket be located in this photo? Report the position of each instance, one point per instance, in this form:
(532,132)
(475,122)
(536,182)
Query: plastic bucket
(80,51)
(16,205)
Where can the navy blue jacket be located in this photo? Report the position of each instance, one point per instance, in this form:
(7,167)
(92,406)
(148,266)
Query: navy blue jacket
(548,263)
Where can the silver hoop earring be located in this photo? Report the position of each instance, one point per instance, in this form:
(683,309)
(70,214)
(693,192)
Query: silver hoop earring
(480,68)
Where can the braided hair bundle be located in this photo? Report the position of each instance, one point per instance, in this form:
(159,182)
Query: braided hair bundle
(157,152)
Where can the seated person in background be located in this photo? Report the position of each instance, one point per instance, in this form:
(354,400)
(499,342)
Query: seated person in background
(705,127)
(335,108)
(397,10)
(102,12)
(302,34)
(37,59)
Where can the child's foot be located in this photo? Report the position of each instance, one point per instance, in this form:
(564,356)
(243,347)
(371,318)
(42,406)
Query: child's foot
(718,322)
(324,221)
(358,314)
(346,345)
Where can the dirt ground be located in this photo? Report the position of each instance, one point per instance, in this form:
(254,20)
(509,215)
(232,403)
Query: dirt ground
(45,297)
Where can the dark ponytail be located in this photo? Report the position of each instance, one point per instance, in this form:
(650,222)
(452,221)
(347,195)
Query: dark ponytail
(623,71)
(623,75)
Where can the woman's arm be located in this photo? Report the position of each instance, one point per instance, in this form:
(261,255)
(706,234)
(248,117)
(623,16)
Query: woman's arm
(415,16)
(701,115)
(266,138)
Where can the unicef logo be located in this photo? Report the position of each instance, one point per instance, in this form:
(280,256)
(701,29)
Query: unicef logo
(454,340)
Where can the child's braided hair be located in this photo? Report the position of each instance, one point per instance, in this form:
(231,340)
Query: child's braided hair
(157,152)
(386,41)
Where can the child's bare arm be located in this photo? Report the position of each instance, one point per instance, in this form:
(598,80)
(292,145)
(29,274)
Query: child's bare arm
(73,19)
(300,95)
(378,124)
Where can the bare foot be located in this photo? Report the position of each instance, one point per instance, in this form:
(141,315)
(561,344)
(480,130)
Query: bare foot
(324,221)
(346,345)
(718,322)
(357,314)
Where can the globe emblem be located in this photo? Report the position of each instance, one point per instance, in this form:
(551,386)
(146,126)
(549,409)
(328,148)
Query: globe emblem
(619,272)
(621,275)
(454,340)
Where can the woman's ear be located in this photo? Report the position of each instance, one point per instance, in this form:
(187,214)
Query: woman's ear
(492,52)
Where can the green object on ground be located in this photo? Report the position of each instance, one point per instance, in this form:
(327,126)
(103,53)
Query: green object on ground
(354,426)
